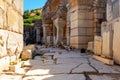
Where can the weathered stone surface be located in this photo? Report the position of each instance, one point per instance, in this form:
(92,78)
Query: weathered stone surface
(35,62)
(104,77)
(107,37)
(71,60)
(29,47)
(67,77)
(4,63)
(68,55)
(11,42)
(15,43)
(104,60)
(97,45)
(37,77)
(1,18)
(10,77)
(21,24)
(15,67)
(42,69)
(2,4)
(102,68)
(26,54)
(116,42)
(84,68)
(13,20)
(18,4)
(90,46)
(3,42)
(58,77)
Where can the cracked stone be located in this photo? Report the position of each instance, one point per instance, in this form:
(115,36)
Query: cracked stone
(51,69)
(104,77)
(84,68)
(101,67)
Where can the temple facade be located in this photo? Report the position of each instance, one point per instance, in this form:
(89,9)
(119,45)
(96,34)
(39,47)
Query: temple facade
(75,23)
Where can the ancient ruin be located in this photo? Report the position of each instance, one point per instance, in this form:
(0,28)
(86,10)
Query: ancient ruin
(89,24)
(87,29)
(74,22)
(33,34)
(11,32)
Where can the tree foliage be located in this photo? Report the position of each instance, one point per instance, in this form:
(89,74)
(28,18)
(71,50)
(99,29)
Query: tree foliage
(31,16)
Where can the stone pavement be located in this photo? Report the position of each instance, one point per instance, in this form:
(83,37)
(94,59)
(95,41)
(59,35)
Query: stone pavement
(62,65)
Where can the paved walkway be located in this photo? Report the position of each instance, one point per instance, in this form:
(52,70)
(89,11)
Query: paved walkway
(63,65)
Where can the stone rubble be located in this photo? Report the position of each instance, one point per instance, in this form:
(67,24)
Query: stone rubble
(71,65)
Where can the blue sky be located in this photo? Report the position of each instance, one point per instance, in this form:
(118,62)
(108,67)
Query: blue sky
(33,4)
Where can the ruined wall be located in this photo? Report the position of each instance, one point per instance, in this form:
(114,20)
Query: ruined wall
(113,19)
(99,15)
(54,17)
(11,31)
(81,19)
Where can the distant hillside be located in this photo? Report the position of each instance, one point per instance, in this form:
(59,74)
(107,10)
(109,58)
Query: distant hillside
(31,16)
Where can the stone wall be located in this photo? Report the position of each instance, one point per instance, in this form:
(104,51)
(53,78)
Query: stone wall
(81,19)
(11,31)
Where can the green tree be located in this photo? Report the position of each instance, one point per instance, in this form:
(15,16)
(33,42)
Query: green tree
(26,14)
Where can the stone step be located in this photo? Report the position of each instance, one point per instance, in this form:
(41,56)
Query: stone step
(104,60)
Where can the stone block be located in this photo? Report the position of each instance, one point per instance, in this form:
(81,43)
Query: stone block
(98,45)
(29,47)
(1,18)
(85,39)
(103,27)
(82,23)
(107,37)
(3,43)
(84,68)
(18,4)
(4,63)
(74,32)
(13,20)
(90,31)
(104,77)
(71,60)
(116,43)
(102,68)
(104,60)
(20,24)
(9,1)
(67,77)
(74,39)
(26,54)
(90,46)
(74,16)
(2,4)
(15,67)
(10,77)
(85,16)
(74,24)
(15,43)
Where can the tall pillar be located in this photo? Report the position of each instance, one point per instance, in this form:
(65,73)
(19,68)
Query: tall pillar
(81,23)
(59,24)
(44,33)
(68,24)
